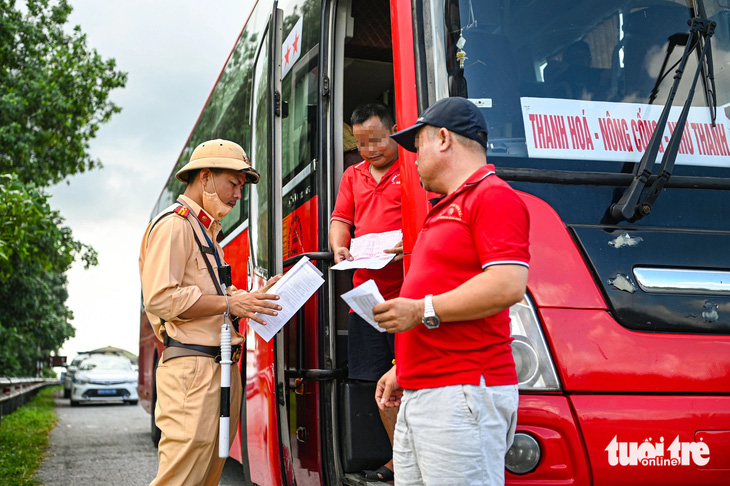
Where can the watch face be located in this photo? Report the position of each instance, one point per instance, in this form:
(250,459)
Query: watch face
(431,322)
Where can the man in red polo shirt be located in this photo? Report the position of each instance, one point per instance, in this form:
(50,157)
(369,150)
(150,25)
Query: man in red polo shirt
(454,377)
(369,200)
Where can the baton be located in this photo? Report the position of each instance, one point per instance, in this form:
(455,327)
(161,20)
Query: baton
(223,431)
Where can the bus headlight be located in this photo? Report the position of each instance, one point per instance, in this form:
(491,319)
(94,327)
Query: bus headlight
(524,455)
(535,369)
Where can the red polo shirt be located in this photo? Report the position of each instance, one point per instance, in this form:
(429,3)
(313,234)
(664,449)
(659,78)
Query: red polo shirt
(484,222)
(372,207)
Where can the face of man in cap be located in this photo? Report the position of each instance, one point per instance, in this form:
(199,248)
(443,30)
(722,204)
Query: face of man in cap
(228,184)
(430,143)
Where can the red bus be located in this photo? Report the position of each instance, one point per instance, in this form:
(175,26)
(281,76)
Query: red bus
(622,344)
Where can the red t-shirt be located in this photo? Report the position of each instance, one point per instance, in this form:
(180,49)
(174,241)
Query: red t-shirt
(484,222)
(372,208)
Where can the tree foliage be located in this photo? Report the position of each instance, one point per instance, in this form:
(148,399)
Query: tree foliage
(54,94)
(35,252)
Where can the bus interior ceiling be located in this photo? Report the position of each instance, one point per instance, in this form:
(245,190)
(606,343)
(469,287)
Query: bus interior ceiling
(368,66)
(367,76)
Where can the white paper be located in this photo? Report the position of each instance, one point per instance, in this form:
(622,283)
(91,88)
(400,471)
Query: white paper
(294,289)
(368,251)
(362,299)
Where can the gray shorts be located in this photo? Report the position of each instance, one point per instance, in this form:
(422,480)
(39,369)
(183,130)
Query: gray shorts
(455,435)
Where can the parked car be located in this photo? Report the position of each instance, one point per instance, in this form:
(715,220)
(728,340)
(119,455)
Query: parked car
(104,378)
(70,371)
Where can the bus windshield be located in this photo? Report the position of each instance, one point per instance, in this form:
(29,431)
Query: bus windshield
(584,81)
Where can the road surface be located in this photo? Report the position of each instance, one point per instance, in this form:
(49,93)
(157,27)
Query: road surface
(106,444)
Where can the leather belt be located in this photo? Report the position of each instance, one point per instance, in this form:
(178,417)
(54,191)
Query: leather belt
(178,350)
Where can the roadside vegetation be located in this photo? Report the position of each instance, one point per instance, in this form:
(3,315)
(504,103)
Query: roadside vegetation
(24,438)
(54,96)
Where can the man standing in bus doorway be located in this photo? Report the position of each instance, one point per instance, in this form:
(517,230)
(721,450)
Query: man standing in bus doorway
(184,282)
(369,199)
(454,376)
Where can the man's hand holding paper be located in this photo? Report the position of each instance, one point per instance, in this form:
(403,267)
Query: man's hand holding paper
(372,251)
(362,299)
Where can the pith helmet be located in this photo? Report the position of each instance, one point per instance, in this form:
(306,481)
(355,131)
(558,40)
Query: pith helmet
(219,154)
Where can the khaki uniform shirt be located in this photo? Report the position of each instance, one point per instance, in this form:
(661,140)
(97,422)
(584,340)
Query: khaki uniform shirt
(174,276)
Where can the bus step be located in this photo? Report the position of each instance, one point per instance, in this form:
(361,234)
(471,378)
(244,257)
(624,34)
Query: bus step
(357,480)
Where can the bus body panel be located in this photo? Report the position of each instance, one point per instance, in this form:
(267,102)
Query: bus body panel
(261,421)
(549,419)
(658,442)
(593,353)
(414,201)
(301,228)
(675,298)
(558,275)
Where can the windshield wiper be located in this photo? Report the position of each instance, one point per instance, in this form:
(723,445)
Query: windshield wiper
(701,30)
(678,39)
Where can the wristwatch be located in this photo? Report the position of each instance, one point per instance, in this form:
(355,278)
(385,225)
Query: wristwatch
(430,319)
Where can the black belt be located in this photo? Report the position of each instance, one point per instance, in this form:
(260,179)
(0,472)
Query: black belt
(212,351)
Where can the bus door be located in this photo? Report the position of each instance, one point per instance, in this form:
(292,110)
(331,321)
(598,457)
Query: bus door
(285,226)
(268,449)
(362,70)
(300,374)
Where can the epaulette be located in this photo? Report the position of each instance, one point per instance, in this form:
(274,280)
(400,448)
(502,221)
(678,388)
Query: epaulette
(180,211)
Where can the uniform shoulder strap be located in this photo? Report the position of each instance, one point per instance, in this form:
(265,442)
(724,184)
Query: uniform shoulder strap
(184,211)
(176,208)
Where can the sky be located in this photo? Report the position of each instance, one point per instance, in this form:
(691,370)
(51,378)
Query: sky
(173,52)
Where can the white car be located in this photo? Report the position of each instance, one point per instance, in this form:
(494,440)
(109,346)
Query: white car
(104,378)
(68,376)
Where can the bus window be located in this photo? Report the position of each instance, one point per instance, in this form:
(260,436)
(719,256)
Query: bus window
(579,87)
(224,116)
(299,87)
(260,153)
(497,52)
(299,95)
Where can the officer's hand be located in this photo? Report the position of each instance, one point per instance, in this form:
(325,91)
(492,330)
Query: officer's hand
(269,283)
(342,253)
(398,250)
(246,305)
(399,315)
(388,393)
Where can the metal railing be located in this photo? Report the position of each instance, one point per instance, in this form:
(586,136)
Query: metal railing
(15,392)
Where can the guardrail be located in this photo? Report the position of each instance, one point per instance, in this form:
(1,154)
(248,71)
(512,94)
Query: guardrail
(15,392)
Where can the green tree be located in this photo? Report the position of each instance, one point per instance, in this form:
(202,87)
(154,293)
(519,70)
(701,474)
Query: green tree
(54,92)
(54,95)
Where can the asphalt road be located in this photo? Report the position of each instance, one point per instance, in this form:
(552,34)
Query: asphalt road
(106,444)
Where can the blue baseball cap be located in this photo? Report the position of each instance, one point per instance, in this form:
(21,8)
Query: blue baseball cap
(456,114)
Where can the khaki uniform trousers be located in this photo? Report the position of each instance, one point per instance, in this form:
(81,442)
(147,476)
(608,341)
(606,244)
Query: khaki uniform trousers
(188,414)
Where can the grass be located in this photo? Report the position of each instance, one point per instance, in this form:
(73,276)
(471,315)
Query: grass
(24,437)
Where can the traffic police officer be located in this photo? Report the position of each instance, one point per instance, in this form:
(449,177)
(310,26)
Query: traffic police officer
(187,291)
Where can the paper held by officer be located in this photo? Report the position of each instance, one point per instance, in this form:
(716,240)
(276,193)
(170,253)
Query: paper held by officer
(368,251)
(294,289)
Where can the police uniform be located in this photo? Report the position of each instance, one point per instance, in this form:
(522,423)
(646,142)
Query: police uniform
(174,275)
